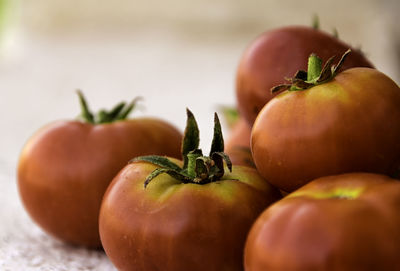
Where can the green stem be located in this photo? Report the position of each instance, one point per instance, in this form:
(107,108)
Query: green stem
(217,144)
(197,169)
(315,22)
(119,112)
(191,138)
(335,33)
(191,169)
(315,74)
(86,114)
(314,68)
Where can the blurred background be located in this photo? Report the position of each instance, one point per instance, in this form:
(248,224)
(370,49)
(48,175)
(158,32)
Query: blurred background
(175,54)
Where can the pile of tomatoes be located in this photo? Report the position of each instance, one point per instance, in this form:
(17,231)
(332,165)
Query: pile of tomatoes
(307,180)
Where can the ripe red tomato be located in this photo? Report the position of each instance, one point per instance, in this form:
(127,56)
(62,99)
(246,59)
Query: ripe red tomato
(238,144)
(347,124)
(279,53)
(343,222)
(180,221)
(65,168)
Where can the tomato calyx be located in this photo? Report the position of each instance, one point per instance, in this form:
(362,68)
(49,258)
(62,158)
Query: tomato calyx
(197,168)
(315,74)
(118,112)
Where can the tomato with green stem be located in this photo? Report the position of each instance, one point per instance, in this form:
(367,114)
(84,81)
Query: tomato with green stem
(278,54)
(65,168)
(164,214)
(326,123)
(345,222)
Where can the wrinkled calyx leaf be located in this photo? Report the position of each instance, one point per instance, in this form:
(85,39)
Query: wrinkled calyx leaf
(118,112)
(197,168)
(315,74)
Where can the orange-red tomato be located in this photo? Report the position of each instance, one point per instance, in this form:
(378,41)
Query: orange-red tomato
(174,226)
(237,145)
(65,168)
(345,222)
(348,124)
(278,54)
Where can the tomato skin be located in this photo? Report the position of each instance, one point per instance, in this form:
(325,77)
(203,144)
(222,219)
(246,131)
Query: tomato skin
(65,168)
(238,144)
(348,124)
(314,229)
(279,54)
(174,226)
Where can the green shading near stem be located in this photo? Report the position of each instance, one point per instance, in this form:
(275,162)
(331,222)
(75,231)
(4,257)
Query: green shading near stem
(338,193)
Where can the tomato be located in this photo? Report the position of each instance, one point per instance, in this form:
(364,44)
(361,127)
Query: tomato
(196,216)
(343,222)
(238,144)
(345,124)
(277,54)
(65,168)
